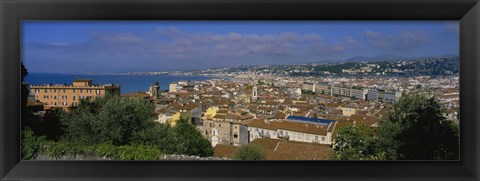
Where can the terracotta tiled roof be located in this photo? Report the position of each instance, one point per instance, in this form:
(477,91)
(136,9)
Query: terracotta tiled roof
(187,107)
(289,125)
(292,150)
(34,103)
(137,94)
(228,151)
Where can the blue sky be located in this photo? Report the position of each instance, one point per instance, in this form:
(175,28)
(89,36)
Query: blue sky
(123,46)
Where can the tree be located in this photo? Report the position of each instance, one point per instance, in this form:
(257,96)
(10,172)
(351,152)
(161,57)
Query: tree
(249,152)
(26,115)
(30,144)
(48,124)
(187,140)
(115,119)
(419,131)
(356,143)
(414,129)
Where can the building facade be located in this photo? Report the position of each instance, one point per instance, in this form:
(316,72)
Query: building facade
(293,131)
(154,90)
(68,96)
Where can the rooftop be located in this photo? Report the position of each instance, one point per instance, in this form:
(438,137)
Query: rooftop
(310,120)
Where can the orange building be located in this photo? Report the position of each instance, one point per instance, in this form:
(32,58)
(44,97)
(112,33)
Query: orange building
(67,96)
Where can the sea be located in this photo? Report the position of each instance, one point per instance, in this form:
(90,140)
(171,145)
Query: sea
(128,83)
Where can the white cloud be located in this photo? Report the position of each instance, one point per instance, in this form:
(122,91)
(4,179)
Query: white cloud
(404,39)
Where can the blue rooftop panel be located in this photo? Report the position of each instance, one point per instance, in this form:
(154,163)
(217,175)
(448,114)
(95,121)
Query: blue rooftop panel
(313,120)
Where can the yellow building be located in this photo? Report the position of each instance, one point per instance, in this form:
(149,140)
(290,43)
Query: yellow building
(211,112)
(172,87)
(175,117)
(347,111)
(67,96)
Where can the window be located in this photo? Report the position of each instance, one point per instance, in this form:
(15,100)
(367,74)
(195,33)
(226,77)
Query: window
(37,90)
(66,97)
(73,90)
(98,92)
(36,97)
(64,90)
(316,138)
(55,90)
(219,125)
(235,135)
(73,97)
(46,90)
(55,103)
(54,97)
(74,103)
(81,90)
(323,138)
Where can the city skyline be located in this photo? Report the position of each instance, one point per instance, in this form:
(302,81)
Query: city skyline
(120,46)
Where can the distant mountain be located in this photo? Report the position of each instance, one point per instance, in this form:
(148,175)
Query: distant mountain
(386,57)
(379,58)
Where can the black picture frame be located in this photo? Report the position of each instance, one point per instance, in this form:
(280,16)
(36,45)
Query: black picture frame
(12,12)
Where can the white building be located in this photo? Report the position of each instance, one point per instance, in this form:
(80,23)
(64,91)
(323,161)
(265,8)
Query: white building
(288,130)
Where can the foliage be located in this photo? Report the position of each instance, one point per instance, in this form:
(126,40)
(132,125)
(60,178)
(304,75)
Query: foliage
(30,144)
(119,121)
(113,119)
(250,152)
(415,129)
(308,92)
(138,152)
(24,96)
(61,148)
(48,124)
(106,150)
(420,130)
(187,140)
(356,143)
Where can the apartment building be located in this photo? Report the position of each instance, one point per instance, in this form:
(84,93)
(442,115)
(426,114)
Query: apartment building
(68,96)
(289,130)
(226,127)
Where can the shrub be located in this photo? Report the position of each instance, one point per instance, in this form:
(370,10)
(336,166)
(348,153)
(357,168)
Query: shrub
(138,152)
(30,144)
(249,152)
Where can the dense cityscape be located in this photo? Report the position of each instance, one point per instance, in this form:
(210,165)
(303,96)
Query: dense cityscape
(289,112)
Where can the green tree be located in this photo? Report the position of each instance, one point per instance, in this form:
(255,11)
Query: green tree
(250,152)
(26,115)
(30,144)
(417,129)
(356,143)
(414,129)
(114,119)
(48,124)
(187,140)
